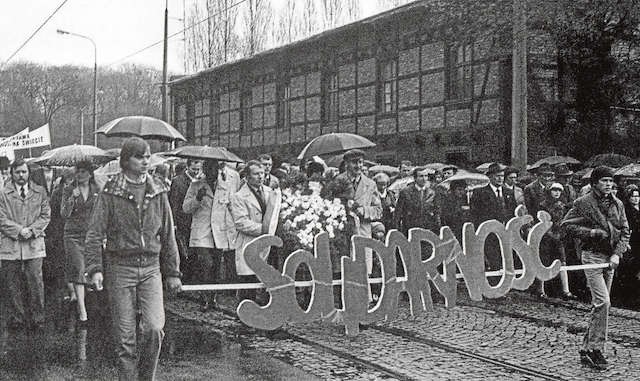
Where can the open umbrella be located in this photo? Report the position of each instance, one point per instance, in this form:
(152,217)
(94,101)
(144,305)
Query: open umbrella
(435,166)
(334,142)
(384,168)
(205,153)
(336,160)
(474,180)
(629,170)
(71,155)
(143,126)
(609,159)
(553,160)
(484,167)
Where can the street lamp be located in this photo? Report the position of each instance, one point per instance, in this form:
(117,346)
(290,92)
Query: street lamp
(95,80)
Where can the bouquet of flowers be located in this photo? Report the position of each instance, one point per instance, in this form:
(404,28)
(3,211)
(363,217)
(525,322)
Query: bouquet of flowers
(305,215)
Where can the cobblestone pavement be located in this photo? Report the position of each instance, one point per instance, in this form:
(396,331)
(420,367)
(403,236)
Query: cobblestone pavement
(512,338)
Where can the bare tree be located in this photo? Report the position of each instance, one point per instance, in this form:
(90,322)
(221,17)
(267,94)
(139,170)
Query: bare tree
(256,17)
(309,18)
(285,29)
(388,4)
(213,38)
(331,13)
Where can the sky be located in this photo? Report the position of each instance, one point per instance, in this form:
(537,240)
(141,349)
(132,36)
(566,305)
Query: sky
(118,27)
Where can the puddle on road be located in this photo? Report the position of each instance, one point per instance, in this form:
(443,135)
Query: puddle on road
(197,354)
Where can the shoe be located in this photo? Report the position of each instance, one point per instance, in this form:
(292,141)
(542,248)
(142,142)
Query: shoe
(82,324)
(543,296)
(594,359)
(569,296)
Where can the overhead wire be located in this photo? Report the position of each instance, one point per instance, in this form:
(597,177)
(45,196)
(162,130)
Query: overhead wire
(34,33)
(177,33)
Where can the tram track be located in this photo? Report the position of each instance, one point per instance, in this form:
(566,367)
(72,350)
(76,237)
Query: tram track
(466,353)
(570,326)
(388,334)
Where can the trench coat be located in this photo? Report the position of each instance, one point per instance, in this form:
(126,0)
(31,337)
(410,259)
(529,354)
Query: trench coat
(33,212)
(248,220)
(212,223)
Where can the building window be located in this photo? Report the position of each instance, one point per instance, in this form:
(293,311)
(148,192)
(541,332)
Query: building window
(215,114)
(246,101)
(201,123)
(284,105)
(330,97)
(388,86)
(181,118)
(460,73)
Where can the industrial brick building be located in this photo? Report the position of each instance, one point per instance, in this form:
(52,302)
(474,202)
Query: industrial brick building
(401,78)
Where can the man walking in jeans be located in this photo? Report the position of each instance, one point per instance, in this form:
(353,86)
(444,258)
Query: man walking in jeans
(598,221)
(134,216)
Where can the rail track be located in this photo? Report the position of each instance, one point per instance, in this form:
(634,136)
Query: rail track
(392,334)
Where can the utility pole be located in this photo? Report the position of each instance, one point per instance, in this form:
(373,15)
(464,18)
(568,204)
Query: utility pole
(519,87)
(165,108)
(82,125)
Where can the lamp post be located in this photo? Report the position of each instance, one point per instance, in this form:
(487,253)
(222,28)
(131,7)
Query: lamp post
(95,80)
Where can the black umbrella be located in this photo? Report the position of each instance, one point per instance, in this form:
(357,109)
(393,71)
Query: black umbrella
(205,153)
(609,159)
(334,143)
(143,126)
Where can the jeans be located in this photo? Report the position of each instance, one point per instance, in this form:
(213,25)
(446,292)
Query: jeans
(599,283)
(24,287)
(136,291)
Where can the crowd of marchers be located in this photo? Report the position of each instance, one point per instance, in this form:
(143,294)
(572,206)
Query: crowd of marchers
(63,235)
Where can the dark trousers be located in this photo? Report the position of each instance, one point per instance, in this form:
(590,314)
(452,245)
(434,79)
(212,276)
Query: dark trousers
(24,287)
(208,266)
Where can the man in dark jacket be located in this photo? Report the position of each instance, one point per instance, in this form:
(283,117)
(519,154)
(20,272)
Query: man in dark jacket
(134,215)
(599,222)
(179,187)
(416,206)
(535,193)
(488,203)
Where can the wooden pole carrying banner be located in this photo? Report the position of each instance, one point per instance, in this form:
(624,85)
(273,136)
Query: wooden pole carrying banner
(420,273)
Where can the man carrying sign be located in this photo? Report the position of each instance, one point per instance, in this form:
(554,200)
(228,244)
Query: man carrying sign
(599,222)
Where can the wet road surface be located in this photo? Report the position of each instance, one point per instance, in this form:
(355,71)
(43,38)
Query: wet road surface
(197,354)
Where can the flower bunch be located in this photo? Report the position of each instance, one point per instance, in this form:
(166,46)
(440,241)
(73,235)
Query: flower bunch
(304,216)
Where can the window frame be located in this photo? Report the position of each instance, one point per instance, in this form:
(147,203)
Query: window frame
(387,103)
(246,109)
(331,97)
(460,71)
(284,104)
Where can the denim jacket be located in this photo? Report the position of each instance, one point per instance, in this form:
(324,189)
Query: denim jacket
(134,236)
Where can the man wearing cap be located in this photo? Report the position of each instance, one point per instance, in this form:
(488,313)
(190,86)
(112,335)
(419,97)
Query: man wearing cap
(449,171)
(534,193)
(598,221)
(488,203)
(416,207)
(366,202)
(513,193)
(563,176)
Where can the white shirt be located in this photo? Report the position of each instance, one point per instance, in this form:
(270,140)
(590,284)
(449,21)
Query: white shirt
(496,190)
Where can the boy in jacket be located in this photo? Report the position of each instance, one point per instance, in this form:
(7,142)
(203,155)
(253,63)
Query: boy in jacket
(598,221)
(134,215)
